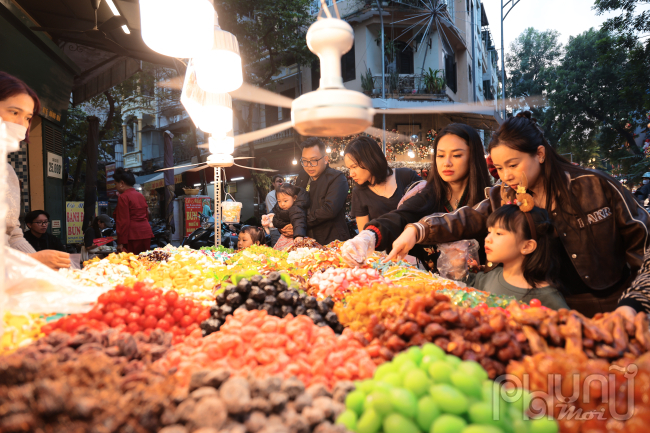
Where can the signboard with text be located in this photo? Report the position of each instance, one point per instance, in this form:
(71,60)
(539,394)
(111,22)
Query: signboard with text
(193,206)
(110,182)
(54,165)
(74,218)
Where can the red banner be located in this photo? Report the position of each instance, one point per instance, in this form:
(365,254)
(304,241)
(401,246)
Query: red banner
(193,206)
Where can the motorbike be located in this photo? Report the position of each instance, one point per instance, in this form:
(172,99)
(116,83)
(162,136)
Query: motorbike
(160,234)
(204,235)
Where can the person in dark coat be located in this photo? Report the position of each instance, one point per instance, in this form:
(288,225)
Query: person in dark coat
(291,208)
(37,222)
(328,190)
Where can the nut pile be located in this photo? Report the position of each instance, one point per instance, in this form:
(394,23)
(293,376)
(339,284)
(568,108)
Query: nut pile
(156,255)
(273,295)
(235,404)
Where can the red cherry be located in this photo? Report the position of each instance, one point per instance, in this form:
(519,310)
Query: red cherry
(169,318)
(142,302)
(158,292)
(140,285)
(178,314)
(46,329)
(150,322)
(188,307)
(150,310)
(121,312)
(155,299)
(186,321)
(524,307)
(535,303)
(163,324)
(194,312)
(171,297)
(181,303)
(132,318)
(120,297)
(203,316)
(116,322)
(108,317)
(147,293)
(132,327)
(160,311)
(135,309)
(132,295)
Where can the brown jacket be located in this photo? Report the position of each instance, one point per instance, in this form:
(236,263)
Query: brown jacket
(619,225)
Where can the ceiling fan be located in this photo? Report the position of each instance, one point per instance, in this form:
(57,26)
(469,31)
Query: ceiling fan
(98,33)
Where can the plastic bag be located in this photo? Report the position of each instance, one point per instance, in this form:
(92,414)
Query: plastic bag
(458,259)
(231,210)
(34,288)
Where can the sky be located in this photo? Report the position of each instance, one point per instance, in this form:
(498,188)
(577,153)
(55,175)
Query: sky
(569,17)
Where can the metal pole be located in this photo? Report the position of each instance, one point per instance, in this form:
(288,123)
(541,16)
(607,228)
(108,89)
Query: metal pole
(217,206)
(383,76)
(503,67)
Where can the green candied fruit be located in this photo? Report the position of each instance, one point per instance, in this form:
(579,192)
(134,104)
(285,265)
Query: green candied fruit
(397,423)
(449,399)
(481,428)
(415,353)
(466,383)
(453,360)
(400,359)
(448,424)
(543,425)
(384,369)
(428,411)
(394,379)
(440,372)
(365,386)
(354,401)
(380,401)
(417,381)
(404,402)
(349,419)
(370,422)
(432,350)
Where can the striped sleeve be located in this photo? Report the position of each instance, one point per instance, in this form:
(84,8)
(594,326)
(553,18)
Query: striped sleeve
(637,295)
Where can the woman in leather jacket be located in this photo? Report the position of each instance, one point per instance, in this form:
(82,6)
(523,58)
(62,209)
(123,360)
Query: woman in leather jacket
(602,229)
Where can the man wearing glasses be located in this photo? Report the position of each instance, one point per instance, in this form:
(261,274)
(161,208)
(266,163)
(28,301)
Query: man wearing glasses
(37,222)
(328,190)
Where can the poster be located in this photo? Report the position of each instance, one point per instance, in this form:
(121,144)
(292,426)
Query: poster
(193,206)
(54,165)
(110,182)
(74,218)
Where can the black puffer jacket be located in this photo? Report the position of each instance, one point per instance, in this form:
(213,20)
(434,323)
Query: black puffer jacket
(296,215)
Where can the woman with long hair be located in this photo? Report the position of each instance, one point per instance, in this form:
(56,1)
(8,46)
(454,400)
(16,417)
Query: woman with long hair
(458,179)
(379,188)
(602,229)
(18,105)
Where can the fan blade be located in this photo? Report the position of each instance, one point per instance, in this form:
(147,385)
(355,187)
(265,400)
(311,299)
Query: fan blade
(244,157)
(53,30)
(258,95)
(487,107)
(175,83)
(179,166)
(253,168)
(199,168)
(376,132)
(115,47)
(113,23)
(256,135)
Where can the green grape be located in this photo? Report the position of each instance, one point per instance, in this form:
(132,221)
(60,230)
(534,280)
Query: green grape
(370,398)
(400,359)
(415,353)
(449,399)
(474,369)
(383,387)
(380,401)
(520,398)
(384,369)
(396,423)
(440,372)
(482,413)
(428,411)
(417,382)
(448,424)
(365,386)
(354,401)
(454,361)
(489,390)
(404,402)
(433,351)
(394,379)
(370,422)
(466,383)
(543,425)
(427,360)
(348,419)
(481,428)
(407,366)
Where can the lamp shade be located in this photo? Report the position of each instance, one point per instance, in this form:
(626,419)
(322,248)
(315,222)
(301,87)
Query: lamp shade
(221,145)
(211,112)
(177,28)
(219,70)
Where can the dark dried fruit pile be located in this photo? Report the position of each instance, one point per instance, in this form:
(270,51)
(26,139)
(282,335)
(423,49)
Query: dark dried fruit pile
(155,256)
(493,338)
(273,404)
(272,294)
(90,382)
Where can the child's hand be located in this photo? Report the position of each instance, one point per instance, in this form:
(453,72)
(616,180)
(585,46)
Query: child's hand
(297,241)
(267,220)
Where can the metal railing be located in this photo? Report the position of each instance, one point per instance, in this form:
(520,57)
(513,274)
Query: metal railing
(407,84)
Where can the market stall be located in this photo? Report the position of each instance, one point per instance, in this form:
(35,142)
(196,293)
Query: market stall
(262,340)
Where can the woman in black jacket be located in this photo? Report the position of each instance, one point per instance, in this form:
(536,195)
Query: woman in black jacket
(459,178)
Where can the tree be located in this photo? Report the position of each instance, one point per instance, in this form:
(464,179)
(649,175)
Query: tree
(628,22)
(531,57)
(591,107)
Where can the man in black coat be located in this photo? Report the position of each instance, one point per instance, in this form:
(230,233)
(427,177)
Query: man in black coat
(328,190)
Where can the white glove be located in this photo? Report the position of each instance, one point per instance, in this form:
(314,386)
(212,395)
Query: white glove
(357,250)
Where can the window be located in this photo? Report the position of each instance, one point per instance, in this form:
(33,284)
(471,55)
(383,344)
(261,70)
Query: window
(470,73)
(487,90)
(404,58)
(271,115)
(347,66)
(286,112)
(450,73)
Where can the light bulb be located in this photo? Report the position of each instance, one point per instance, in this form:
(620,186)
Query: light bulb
(415,138)
(328,150)
(219,70)
(177,29)
(341,153)
(411,154)
(221,145)
(294,162)
(431,151)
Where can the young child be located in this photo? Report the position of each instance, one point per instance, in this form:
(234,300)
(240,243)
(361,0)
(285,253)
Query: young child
(250,235)
(522,247)
(291,208)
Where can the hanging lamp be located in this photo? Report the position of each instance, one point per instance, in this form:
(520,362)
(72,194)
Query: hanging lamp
(219,70)
(211,112)
(182,29)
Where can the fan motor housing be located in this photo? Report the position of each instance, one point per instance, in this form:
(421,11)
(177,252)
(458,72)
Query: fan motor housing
(332,113)
(220,160)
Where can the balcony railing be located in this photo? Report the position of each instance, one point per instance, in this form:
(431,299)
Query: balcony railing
(408,86)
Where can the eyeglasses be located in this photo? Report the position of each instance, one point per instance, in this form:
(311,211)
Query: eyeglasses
(41,223)
(310,163)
